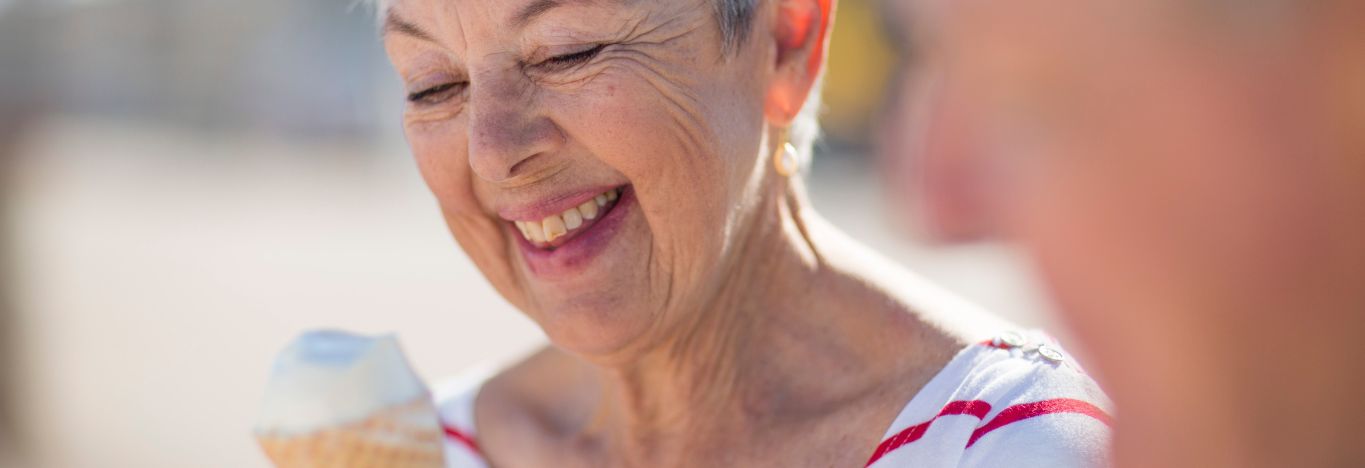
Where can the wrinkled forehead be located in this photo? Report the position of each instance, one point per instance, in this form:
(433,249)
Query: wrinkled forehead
(457,22)
(510,12)
(461,24)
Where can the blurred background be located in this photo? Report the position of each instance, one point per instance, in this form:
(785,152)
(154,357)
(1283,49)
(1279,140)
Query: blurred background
(187,184)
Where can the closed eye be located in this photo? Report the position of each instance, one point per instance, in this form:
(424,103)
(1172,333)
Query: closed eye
(560,62)
(436,94)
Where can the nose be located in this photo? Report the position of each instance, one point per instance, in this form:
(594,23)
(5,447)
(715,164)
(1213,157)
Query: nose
(508,137)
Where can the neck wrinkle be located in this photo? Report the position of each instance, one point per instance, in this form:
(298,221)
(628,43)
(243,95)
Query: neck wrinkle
(712,375)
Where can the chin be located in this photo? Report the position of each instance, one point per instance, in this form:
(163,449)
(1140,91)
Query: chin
(598,327)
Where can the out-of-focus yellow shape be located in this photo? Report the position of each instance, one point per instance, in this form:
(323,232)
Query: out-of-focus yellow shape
(860,62)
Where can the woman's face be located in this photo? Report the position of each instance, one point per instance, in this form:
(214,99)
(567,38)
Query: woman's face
(594,158)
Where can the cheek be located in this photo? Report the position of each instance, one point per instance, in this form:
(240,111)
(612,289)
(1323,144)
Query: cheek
(441,152)
(679,148)
(442,155)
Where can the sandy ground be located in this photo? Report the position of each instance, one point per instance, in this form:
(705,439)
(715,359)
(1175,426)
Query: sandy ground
(160,271)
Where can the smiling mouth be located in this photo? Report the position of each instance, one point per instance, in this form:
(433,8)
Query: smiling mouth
(557,229)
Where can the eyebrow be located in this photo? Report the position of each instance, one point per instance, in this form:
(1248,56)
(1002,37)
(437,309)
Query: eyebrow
(532,10)
(539,7)
(396,24)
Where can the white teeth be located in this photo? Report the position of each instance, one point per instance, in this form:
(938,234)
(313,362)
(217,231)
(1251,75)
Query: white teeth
(554,228)
(572,218)
(588,209)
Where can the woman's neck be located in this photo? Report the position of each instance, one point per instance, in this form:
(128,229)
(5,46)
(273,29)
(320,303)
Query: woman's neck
(782,335)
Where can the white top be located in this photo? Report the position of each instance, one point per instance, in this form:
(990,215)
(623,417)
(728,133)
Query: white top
(1017,400)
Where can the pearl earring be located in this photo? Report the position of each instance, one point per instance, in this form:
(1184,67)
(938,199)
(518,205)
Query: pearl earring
(785,160)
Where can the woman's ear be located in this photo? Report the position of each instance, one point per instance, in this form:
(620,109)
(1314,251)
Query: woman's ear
(800,32)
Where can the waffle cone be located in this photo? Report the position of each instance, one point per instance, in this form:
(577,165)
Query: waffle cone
(406,436)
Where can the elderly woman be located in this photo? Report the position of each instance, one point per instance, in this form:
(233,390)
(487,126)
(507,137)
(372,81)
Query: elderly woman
(626,174)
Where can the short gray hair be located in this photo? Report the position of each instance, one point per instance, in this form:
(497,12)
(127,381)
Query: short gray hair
(735,18)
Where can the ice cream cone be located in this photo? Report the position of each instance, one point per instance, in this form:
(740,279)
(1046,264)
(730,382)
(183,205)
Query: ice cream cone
(400,437)
(337,400)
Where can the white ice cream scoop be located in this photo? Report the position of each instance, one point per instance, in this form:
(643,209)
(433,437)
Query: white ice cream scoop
(340,400)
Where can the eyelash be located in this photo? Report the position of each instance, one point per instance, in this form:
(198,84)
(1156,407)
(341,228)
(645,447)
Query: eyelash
(425,96)
(557,63)
(569,60)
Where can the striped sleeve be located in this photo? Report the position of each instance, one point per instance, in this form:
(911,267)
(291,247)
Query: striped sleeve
(1048,412)
(1059,433)
(1018,405)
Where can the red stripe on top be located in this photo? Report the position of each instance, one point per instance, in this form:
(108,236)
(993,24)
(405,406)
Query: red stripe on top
(979,409)
(464,439)
(1024,411)
(976,408)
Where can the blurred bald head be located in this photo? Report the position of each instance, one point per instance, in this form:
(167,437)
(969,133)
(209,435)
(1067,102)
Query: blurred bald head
(1190,176)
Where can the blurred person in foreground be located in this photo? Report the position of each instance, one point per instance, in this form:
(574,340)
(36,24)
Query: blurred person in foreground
(1190,178)
(627,174)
